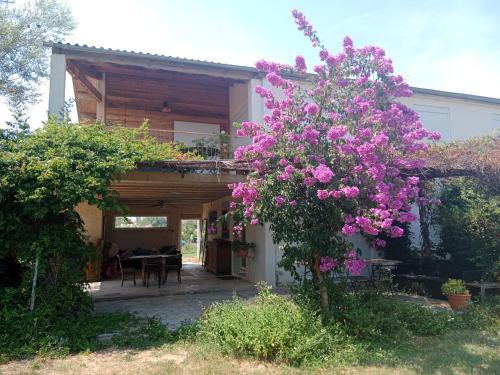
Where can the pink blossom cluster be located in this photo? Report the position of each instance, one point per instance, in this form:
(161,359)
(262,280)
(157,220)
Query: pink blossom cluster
(322,173)
(352,264)
(346,142)
(305,26)
(327,263)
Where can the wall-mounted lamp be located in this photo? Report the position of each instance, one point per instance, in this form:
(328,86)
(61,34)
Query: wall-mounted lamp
(166,108)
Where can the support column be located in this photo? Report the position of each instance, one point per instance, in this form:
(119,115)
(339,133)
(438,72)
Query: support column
(255,103)
(198,238)
(101,105)
(271,262)
(57,84)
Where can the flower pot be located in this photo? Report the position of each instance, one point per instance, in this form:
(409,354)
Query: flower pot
(243,252)
(459,302)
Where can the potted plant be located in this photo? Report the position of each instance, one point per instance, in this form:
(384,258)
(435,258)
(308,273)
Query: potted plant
(458,295)
(241,247)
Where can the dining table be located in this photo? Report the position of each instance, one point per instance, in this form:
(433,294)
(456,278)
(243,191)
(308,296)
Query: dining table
(163,262)
(379,263)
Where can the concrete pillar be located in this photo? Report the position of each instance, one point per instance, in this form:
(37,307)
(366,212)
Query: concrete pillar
(264,263)
(271,261)
(255,102)
(198,238)
(57,84)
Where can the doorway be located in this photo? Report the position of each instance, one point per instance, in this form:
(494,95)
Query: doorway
(190,241)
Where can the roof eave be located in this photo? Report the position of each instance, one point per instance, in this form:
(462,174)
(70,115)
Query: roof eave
(147,60)
(93,54)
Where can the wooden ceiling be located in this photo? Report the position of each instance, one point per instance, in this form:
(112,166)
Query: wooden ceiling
(133,93)
(143,188)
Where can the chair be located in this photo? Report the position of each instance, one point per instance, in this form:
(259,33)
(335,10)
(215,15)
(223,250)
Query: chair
(126,266)
(152,265)
(174,263)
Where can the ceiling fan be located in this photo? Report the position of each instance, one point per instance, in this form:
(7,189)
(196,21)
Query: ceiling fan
(162,205)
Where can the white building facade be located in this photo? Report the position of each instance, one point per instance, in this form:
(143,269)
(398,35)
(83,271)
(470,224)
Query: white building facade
(455,116)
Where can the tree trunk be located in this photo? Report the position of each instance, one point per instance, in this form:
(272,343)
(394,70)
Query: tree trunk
(424,230)
(33,285)
(323,291)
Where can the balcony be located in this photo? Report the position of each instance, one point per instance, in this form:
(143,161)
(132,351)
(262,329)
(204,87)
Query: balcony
(209,145)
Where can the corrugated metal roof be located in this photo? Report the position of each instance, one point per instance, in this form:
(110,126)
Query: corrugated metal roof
(61,47)
(456,95)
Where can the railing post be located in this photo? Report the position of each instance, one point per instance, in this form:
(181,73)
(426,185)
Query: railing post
(224,145)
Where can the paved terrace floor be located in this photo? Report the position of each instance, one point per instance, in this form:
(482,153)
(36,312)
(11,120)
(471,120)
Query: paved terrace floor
(173,303)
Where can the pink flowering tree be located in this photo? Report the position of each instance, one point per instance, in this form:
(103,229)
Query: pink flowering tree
(329,161)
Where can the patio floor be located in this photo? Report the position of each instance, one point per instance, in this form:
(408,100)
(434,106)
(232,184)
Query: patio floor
(195,280)
(173,303)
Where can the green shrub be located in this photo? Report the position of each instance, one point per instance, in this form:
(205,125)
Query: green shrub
(376,317)
(271,328)
(483,314)
(49,331)
(469,222)
(24,334)
(454,286)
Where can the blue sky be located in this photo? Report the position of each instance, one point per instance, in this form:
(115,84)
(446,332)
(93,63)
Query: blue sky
(443,45)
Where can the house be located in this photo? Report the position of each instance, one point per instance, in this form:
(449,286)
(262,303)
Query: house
(186,100)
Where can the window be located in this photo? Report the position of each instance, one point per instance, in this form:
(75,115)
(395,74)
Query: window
(141,222)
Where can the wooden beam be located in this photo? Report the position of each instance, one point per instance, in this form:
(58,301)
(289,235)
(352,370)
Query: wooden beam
(117,103)
(73,70)
(126,72)
(118,116)
(88,70)
(101,106)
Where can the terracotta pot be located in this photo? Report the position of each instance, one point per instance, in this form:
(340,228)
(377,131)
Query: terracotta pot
(91,271)
(459,302)
(243,252)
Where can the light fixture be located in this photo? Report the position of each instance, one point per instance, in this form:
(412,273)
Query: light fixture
(166,108)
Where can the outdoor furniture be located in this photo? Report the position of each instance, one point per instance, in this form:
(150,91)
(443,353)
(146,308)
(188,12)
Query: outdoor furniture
(153,266)
(109,264)
(126,267)
(218,257)
(381,267)
(483,286)
(173,263)
(162,259)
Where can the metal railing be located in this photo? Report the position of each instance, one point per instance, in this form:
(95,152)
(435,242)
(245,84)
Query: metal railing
(209,146)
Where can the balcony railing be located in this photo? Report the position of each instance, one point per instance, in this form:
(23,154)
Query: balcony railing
(209,146)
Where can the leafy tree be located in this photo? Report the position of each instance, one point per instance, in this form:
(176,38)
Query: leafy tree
(23,57)
(468,221)
(330,159)
(44,175)
(188,234)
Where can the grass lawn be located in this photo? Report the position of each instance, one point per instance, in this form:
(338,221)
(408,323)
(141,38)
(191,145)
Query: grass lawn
(467,352)
(189,253)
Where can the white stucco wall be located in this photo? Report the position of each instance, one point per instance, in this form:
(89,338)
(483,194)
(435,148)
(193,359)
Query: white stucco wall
(92,218)
(238,102)
(455,118)
(187,132)
(238,112)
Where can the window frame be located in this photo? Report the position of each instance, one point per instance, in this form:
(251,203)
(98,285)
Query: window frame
(167,226)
